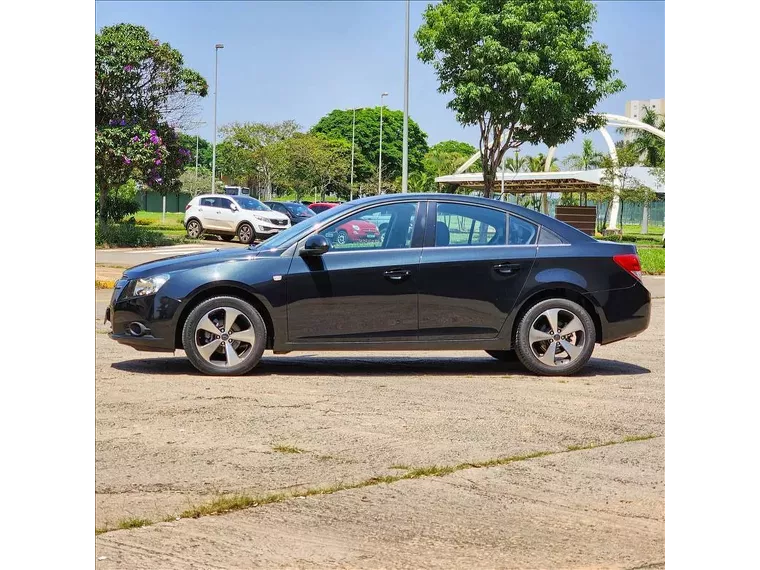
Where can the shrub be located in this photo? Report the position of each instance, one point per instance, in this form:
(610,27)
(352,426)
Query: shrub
(117,207)
(128,235)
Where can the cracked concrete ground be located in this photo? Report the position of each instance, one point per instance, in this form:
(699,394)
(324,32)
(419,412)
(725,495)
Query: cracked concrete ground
(168,438)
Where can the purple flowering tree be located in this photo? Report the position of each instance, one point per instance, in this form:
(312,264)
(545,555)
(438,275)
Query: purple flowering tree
(141,86)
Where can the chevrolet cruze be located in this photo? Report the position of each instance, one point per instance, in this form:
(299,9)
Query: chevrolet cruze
(449,272)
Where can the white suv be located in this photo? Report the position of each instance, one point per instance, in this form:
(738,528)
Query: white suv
(230,216)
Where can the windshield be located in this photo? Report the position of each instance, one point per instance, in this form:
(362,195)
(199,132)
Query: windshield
(251,203)
(285,237)
(299,210)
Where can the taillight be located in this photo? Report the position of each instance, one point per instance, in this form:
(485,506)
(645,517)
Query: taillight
(187,207)
(630,262)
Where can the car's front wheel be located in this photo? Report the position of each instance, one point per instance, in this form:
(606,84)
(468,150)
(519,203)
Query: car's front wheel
(555,338)
(224,336)
(194,229)
(342,237)
(245,233)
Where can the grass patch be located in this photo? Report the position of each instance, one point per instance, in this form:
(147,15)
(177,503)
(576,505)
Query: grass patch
(287,449)
(652,260)
(134,523)
(236,502)
(143,218)
(99,284)
(636,229)
(401,467)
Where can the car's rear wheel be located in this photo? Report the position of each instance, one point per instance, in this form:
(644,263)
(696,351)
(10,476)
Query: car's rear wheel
(228,237)
(555,338)
(245,233)
(224,336)
(503,355)
(194,229)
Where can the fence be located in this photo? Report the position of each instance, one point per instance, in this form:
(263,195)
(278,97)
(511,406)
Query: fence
(630,214)
(152,202)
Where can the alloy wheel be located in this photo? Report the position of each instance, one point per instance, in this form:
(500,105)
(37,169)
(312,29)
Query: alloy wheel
(224,337)
(557,337)
(193,229)
(245,233)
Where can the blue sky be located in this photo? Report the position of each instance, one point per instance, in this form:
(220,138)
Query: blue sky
(300,60)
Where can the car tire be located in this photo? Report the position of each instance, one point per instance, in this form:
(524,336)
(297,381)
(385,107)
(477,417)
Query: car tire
(194,229)
(536,338)
(247,340)
(228,237)
(342,237)
(245,233)
(503,355)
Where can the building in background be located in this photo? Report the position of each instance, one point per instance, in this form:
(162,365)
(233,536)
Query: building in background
(636,109)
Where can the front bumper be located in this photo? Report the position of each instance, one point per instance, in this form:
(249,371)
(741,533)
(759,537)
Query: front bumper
(152,315)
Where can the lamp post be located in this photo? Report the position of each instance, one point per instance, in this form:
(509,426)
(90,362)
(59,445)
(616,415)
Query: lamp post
(353,137)
(380,160)
(405,159)
(217,47)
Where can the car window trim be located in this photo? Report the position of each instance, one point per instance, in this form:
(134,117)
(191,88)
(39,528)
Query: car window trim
(371,207)
(433,218)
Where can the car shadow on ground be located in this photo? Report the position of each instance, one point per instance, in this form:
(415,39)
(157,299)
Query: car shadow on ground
(377,366)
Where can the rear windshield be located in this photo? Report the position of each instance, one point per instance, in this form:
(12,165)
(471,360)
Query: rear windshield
(299,210)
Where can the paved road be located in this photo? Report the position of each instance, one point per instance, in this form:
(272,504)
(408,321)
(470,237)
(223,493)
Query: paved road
(168,438)
(129,257)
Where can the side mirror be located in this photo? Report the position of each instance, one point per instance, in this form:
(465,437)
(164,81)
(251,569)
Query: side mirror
(315,245)
(234,208)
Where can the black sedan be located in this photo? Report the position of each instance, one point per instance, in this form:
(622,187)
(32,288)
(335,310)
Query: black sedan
(293,210)
(450,272)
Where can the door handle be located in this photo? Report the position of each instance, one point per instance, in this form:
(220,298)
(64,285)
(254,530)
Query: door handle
(397,274)
(506,268)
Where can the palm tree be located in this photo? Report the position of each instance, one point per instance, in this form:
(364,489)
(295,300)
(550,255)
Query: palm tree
(588,159)
(651,150)
(648,145)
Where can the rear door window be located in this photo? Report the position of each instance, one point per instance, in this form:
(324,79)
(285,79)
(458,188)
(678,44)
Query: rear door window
(468,225)
(522,232)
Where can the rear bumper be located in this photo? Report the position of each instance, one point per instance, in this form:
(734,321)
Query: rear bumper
(624,313)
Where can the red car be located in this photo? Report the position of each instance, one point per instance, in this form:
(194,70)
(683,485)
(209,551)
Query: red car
(318,207)
(356,230)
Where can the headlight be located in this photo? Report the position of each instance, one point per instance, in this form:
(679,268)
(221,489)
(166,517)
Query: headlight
(149,285)
(355,227)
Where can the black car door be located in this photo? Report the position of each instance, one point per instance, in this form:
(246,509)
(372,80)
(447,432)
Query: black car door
(361,290)
(474,263)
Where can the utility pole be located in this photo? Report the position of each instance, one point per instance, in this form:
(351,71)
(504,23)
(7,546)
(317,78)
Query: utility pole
(405,159)
(217,47)
(380,160)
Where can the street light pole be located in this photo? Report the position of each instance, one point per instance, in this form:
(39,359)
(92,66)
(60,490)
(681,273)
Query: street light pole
(405,159)
(353,136)
(196,156)
(217,47)
(380,160)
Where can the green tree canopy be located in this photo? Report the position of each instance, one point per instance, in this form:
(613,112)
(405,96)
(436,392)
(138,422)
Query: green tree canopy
(650,147)
(338,123)
(142,90)
(522,70)
(205,150)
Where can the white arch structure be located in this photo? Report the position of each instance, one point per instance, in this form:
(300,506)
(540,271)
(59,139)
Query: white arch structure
(612,121)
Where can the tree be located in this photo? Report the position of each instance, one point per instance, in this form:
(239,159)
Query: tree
(650,147)
(338,125)
(524,71)
(309,161)
(421,182)
(205,150)
(251,148)
(629,188)
(141,85)
(198,185)
(588,159)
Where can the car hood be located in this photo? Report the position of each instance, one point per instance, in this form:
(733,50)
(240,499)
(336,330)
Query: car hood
(191,261)
(266,214)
